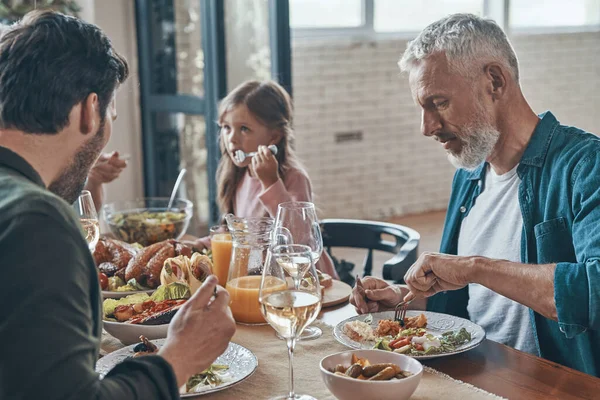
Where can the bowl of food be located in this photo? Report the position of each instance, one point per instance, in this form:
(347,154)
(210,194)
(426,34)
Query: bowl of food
(149,220)
(368,374)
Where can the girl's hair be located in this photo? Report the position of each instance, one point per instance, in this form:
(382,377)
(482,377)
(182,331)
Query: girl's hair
(272,106)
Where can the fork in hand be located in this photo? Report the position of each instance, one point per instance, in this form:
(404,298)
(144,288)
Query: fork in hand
(400,311)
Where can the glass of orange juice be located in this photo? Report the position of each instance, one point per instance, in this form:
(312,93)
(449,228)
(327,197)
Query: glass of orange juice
(251,238)
(221,245)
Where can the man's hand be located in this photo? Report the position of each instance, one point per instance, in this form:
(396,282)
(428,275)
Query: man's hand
(107,168)
(374,294)
(434,272)
(199,332)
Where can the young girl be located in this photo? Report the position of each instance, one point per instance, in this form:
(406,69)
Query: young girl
(252,117)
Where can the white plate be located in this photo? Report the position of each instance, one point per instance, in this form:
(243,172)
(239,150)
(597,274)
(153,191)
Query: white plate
(117,295)
(241,361)
(436,324)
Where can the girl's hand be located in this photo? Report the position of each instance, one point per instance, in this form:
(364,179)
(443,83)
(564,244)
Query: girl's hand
(266,167)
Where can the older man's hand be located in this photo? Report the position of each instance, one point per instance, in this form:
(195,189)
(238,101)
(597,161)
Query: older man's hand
(374,295)
(434,272)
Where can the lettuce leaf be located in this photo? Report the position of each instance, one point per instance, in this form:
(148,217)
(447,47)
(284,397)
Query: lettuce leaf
(172,291)
(109,305)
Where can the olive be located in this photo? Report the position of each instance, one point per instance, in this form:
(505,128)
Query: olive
(140,347)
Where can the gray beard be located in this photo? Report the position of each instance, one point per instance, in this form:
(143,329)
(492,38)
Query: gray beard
(71,181)
(478,143)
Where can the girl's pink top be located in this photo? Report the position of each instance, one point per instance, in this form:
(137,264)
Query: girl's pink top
(252,201)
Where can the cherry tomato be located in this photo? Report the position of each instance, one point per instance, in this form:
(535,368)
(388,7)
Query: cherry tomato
(103,280)
(400,343)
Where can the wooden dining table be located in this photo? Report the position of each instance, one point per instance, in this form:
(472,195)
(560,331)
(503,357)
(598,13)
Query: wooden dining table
(502,370)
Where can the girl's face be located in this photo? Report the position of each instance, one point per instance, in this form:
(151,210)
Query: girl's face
(242,131)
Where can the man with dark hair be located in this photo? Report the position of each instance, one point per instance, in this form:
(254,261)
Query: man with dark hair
(58,78)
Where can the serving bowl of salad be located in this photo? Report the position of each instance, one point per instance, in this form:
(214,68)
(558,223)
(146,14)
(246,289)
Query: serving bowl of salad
(147,221)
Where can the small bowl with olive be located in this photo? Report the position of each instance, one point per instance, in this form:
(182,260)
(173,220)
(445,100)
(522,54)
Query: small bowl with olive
(369,374)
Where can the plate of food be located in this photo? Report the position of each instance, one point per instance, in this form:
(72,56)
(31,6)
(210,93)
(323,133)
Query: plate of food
(141,314)
(125,269)
(424,335)
(235,365)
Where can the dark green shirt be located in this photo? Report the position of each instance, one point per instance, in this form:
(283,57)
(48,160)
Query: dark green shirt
(50,303)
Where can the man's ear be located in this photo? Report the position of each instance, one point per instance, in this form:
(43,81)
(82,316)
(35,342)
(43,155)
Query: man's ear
(90,114)
(496,77)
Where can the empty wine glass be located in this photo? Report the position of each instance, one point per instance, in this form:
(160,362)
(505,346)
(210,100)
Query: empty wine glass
(86,211)
(288,305)
(299,220)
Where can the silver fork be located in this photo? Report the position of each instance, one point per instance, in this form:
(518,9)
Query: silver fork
(240,156)
(400,311)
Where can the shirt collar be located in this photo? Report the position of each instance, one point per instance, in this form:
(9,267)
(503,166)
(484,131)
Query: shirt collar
(536,150)
(14,161)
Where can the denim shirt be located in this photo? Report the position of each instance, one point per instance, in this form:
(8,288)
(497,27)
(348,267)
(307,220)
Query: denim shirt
(559,197)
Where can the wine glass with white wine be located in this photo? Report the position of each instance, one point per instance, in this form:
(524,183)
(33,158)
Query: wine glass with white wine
(86,210)
(287,305)
(299,219)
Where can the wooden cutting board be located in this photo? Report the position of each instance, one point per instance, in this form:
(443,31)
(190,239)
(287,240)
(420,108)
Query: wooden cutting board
(338,293)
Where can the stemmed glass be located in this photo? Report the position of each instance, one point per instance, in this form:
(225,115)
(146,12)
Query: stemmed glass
(86,211)
(287,304)
(300,221)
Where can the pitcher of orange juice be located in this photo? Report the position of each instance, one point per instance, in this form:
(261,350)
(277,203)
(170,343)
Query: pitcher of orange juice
(251,238)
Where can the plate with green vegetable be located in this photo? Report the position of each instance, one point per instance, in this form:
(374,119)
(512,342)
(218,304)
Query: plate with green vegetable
(423,335)
(236,364)
(118,288)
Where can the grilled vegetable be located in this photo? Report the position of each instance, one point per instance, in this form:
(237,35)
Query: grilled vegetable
(374,369)
(354,371)
(385,375)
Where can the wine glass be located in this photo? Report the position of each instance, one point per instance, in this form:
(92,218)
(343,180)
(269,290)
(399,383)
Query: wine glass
(300,221)
(86,210)
(290,305)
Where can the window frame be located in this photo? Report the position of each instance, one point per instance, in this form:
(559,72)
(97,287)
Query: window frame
(499,10)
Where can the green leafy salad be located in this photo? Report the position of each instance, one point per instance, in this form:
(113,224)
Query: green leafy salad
(417,342)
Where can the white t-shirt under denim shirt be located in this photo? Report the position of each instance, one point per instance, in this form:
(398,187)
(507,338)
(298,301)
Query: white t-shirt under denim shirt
(493,229)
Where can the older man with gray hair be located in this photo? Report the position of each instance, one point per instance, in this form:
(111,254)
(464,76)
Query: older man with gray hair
(520,252)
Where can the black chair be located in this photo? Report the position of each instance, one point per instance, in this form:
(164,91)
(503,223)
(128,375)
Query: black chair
(373,235)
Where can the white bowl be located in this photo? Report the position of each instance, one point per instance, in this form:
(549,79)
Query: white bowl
(345,388)
(130,333)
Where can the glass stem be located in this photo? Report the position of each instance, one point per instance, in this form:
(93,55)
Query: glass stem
(291,343)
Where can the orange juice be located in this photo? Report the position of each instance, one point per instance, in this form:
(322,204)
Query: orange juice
(244,303)
(221,251)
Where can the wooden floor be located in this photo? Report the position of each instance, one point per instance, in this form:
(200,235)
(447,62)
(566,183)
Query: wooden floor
(429,226)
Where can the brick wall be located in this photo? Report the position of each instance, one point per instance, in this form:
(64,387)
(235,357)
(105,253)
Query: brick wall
(356,86)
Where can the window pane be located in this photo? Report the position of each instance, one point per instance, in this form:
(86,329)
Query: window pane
(180,143)
(188,42)
(176,46)
(540,13)
(326,13)
(413,16)
(247,41)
